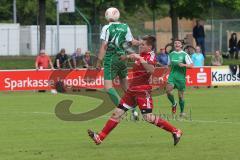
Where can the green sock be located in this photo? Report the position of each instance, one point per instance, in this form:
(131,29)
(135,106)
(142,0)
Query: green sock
(171,99)
(114,96)
(181,104)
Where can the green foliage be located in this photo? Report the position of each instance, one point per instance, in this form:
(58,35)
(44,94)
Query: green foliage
(27,10)
(6,11)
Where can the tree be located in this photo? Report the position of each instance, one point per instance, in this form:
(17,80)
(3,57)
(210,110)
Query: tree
(42,22)
(195,9)
(5,11)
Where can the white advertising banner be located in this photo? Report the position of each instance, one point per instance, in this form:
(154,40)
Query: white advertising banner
(222,76)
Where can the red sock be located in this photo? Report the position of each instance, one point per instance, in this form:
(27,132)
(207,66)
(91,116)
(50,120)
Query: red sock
(109,126)
(164,125)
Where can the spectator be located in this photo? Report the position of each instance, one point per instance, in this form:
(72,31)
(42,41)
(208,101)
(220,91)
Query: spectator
(87,60)
(76,57)
(199,35)
(198,58)
(62,60)
(162,57)
(43,61)
(217,59)
(233,46)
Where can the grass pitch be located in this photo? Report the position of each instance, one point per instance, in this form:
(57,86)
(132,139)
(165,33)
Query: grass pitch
(29,129)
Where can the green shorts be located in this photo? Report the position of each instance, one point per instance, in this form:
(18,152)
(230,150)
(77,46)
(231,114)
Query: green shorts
(180,84)
(114,67)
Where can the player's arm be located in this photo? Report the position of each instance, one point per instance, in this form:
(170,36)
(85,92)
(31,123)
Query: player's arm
(129,38)
(101,54)
(102,51)
(189,63)
(148,67)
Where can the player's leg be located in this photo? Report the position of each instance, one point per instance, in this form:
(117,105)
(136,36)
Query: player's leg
(111,91)
(181,86)
(109,126)
(181,102)
(145,104)
(115,118)
(169,90)
(109,75)
(124,84)
(161,123)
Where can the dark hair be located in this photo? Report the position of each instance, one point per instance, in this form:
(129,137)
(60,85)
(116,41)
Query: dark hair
(233,35)
(179,40)
(150,40)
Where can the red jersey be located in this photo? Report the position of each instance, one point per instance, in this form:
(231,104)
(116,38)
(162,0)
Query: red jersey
(140,79)
(43,61)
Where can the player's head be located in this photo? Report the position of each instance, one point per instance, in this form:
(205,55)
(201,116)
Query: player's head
(177,44)
(148,43)
(112,14)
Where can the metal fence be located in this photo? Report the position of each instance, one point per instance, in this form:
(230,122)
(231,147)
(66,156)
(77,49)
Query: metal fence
(218,33)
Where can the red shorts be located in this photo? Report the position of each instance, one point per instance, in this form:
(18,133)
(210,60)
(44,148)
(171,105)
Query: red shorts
(139,97)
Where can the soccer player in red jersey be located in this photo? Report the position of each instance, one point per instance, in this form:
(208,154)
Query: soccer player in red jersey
(138,93)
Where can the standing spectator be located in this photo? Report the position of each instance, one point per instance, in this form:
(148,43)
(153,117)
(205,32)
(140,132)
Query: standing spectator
(87,60)
(61,60)
(233,46)
(198,58)
(162,57)
(43,61)
(76,57)
(217,59)
(199,35)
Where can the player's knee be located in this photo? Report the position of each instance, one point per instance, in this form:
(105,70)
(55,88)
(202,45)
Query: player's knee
(117,114)
(107,88)
(181,97)
(149,117)
(169,89)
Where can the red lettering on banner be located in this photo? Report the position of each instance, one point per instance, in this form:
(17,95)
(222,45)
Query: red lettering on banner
(45,79)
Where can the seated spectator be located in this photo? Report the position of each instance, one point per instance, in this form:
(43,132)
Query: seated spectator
(217,59)
(62,60)
(76,58)
(198,58)
(43,61)
(233,46)
(87,60)
(162,58)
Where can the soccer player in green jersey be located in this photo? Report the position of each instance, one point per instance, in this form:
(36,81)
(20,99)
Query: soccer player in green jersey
(113,36)
(179,61)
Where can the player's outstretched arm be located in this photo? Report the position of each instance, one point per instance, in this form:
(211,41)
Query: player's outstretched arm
(135,42)
(101,54)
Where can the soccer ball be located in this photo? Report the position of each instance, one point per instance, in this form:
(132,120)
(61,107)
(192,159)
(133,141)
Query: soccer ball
(112,14)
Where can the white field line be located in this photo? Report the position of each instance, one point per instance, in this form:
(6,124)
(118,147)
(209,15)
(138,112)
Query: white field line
(106,117)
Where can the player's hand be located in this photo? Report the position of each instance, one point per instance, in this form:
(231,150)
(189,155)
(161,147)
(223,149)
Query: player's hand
(181,65)
(135,56)
(99,64)
(123,57)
